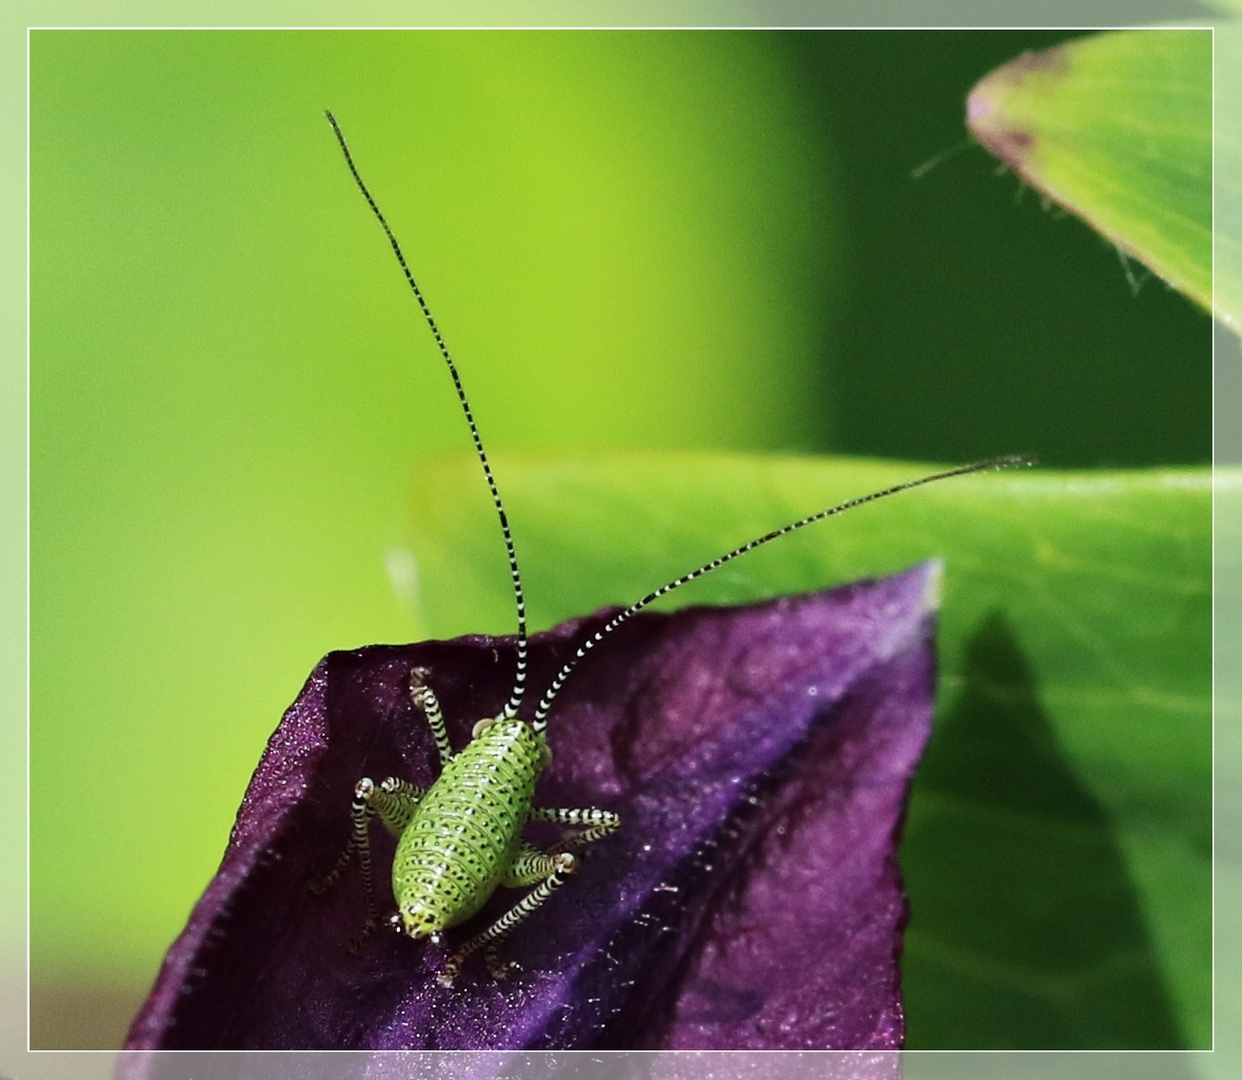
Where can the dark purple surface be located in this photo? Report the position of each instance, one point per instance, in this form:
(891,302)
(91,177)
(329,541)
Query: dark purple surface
(760,759)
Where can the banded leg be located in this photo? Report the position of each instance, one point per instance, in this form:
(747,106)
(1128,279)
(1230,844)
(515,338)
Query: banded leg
(531,867)
(425,700)
(394,801)
(596,824)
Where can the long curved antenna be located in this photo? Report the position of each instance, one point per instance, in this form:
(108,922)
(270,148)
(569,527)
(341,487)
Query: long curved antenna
(545,704)
(519,682)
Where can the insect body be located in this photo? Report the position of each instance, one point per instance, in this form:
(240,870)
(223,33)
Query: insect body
(460,839)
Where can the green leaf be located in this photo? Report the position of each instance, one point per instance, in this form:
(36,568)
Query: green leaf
(1058,845)
(1228,178)
(1118,129)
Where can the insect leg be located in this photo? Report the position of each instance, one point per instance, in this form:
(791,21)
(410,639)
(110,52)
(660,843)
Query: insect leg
(360,812)
(394,801)
(598,823)
(530,867)
(425,699)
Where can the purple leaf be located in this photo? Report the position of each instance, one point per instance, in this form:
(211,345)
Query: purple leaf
(760,758)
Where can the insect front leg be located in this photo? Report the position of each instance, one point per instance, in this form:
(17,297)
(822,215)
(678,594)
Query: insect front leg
(425,699)
(529,867)
(395,802)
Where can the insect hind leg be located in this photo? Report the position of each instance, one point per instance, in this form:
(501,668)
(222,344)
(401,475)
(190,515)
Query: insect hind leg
(394,801)
(547,872)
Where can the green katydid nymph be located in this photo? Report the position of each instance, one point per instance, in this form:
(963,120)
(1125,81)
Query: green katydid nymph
(461,838)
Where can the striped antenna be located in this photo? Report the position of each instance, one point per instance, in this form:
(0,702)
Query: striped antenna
(519,682)
(545,703)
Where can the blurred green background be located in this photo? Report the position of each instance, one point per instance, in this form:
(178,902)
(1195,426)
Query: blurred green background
(641,240)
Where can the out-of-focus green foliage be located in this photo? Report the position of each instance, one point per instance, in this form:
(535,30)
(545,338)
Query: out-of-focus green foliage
(639,242)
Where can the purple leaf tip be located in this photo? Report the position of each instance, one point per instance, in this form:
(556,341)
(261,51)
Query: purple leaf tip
(760,759)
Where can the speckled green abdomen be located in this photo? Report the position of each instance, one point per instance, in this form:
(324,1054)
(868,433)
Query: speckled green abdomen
(467,828)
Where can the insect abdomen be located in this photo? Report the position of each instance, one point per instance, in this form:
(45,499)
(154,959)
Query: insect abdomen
(467,828)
